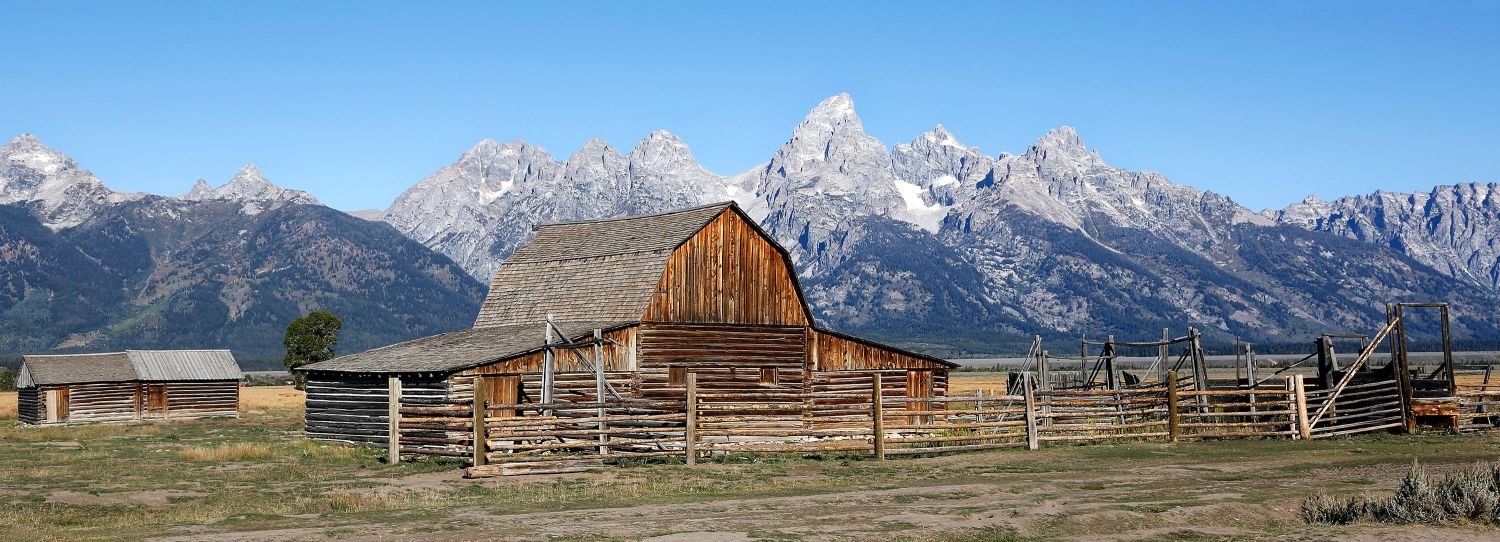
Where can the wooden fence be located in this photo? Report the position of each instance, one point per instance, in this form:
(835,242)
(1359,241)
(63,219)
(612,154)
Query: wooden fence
(569,436)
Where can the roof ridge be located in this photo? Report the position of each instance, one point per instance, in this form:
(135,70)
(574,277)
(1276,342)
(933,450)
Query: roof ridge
(725,204)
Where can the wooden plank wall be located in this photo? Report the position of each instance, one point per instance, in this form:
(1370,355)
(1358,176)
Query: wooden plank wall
(617,357)
(101,402)
(352,409)
(197,399)
(834,353)
(727,273)
(29,407)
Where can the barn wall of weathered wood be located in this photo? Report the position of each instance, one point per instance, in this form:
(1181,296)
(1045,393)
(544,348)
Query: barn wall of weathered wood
(101,402)
(29,405)
(353,409)
(725,358)
(195,399)
(619,356)
(727,273)
(834,353)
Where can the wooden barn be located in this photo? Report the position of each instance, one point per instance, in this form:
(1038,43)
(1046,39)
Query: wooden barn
(127,386)
(700,290)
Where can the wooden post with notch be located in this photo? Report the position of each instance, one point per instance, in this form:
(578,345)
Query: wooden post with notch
(1299,392)
(479,411)
(690,433)
(877,417)
(599,385)
(1172,406)
(1032,442)
(393,417)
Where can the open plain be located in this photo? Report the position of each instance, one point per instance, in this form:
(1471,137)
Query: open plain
(255,478)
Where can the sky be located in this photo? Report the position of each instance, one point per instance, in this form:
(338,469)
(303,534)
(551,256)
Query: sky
(1265,102)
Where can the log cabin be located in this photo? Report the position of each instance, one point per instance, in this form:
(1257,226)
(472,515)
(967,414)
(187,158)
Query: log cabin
(702,290)
(133,385)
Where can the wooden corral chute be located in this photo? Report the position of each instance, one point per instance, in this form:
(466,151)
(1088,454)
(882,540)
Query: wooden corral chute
(1359,396)
(127,386)
(622,310)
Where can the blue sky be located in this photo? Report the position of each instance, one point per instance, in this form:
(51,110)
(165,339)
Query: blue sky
(1264,102)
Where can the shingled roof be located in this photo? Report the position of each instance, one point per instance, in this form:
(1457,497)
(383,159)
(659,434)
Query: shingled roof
(457,350)
(597,270)
(58,369)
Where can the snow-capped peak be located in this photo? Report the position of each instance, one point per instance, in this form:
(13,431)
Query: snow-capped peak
(30,171)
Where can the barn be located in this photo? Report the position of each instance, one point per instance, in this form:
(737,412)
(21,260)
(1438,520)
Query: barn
(127,386)
(701,290)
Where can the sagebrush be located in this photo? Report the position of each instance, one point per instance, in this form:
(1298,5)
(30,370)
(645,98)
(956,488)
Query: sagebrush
(1471,494)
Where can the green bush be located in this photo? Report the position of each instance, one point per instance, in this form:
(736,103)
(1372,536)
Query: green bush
(7,380)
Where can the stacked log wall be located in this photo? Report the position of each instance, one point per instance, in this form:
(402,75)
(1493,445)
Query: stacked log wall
(199,399)
(354,409)
(102,402)
(726,358)
(30,407)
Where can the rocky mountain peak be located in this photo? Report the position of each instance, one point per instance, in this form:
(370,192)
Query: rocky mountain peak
(65,195)
(250,188)
(1060,142)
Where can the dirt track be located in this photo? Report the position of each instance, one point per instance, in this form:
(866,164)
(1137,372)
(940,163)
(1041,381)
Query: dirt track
(1155,491)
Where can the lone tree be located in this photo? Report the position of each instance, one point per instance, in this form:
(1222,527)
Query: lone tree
(310,339)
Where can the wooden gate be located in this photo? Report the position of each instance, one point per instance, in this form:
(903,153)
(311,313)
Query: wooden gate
(1360,408)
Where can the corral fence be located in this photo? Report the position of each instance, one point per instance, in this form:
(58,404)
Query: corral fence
(573,436)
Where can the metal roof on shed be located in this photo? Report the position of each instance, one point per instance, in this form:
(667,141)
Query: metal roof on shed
(177,365)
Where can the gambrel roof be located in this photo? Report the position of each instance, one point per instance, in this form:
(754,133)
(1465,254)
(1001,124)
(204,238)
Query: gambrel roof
(597,270)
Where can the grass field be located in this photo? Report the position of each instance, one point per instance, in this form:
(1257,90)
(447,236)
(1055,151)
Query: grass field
(255,479)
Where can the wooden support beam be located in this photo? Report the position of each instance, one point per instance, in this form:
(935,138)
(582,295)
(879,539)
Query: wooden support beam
(1172,417)
(1031,430)
(690,432)
(1299,390)
(480,438)
(877,418)
(393,414)
(599,385)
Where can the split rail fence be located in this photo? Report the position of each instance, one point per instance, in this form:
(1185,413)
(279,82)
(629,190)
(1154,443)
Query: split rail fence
(568,436)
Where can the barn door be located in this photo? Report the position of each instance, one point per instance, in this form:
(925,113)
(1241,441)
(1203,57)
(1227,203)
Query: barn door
(919,386)
(57,405)
(156,400)
(502,389)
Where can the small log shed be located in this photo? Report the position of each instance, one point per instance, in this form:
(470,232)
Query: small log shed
(701,290)
(127,386)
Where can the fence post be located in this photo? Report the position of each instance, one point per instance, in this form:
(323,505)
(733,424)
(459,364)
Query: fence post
(1031,433)
(393,416)
(1300,391)
(690,435)
(877,418)
(1172,406)
(479,432)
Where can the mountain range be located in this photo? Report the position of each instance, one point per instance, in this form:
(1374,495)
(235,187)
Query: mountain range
(931,243)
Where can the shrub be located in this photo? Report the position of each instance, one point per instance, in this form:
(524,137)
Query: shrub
(1468,495)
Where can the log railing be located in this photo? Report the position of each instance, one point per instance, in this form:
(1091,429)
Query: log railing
(564,436)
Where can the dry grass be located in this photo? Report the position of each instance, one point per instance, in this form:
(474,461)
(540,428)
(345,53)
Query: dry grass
(234,451)
(7,404)
(268,398)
